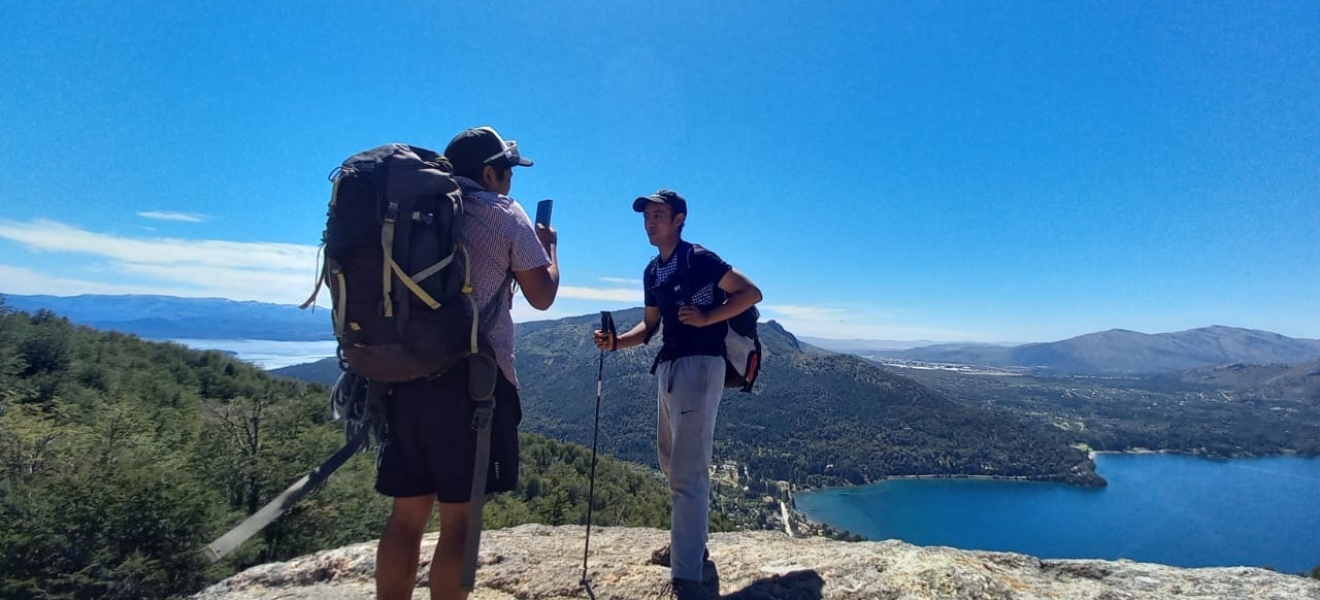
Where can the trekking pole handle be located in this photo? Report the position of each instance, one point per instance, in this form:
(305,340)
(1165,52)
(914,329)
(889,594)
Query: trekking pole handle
(607,327)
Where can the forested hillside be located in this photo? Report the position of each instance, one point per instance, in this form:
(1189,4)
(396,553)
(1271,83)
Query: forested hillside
(120,459)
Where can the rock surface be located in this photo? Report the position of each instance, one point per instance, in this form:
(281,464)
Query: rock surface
(536,562)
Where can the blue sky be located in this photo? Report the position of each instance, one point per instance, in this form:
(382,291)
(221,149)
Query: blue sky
(1011,171)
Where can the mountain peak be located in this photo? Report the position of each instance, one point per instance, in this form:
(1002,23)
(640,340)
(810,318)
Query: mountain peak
(774,326)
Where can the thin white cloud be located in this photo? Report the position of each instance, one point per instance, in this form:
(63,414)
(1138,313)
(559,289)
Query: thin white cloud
(630,295)
(820,314)
(51,236)
(20,280)
(522,311)
(207,276)
(621,280)
(264,272)
(285,274)
(172,216)
(849,321)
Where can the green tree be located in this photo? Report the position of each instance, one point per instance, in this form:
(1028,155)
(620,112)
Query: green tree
(97,512)
(46,350)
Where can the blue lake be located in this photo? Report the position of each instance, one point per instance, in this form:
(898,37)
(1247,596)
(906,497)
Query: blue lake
(1161,508)
(268,354)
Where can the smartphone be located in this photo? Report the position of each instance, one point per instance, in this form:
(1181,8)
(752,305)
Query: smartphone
(543,209)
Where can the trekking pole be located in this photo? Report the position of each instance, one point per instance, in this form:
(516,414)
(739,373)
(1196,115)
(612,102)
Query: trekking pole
(230,541)
(607,327)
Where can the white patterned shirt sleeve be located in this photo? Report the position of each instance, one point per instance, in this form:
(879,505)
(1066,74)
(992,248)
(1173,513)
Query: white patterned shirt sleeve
(527,252)
(500,240)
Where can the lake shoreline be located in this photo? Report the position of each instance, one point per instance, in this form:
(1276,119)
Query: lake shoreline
(1024,478)
(1158,509)
(1091,454)
(810,489)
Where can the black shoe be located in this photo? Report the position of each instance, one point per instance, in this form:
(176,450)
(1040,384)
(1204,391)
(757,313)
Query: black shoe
(686,589)
(661,557)
(710,580)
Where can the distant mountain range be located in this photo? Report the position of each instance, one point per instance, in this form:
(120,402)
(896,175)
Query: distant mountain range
(1225,411)
(1113,352)
(1299,381)
(168,317)
(863,346)
(815,418)
(859,345)
(1123,352)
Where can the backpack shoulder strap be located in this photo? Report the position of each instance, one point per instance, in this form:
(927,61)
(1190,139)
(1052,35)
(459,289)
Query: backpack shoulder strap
(648,280)
(684,270)
(651,268)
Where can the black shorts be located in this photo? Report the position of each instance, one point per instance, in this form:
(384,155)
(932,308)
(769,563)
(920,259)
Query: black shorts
(430,446)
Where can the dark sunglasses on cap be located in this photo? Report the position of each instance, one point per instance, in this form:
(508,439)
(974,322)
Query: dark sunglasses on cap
(509,154)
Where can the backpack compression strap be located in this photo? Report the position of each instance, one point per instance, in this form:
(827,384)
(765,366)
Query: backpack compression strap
(481,421)
(335,176)
(389,268)
(483,374)
(472,297)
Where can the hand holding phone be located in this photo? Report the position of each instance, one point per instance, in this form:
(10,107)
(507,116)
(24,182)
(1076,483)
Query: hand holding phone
(543,209)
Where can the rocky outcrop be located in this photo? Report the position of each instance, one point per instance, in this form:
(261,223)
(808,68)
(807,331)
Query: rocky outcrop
(535,562)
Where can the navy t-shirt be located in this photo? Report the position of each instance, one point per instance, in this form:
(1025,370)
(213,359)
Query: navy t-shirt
(691,276)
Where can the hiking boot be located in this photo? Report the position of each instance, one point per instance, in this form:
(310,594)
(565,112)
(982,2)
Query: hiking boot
(710,580)
(686,589)
(661,557)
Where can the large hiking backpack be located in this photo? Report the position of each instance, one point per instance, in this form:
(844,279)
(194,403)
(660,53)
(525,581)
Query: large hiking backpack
(403,309)
(742,346)
(403,302)
(402,299)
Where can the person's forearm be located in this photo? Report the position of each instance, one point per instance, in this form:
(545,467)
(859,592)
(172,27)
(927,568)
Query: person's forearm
(635,337)
(552,250)
(736,303)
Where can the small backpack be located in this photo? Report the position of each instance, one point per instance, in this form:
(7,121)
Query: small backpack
(742,351)
(403,306)
(742,346)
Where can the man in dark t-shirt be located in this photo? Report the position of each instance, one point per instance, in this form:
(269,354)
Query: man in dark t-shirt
(692,293)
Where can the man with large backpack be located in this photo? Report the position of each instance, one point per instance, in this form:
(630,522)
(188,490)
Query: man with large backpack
(431,440)
(695,296)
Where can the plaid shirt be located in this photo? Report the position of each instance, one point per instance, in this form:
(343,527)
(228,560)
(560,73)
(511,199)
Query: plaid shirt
(705,269)
(500,239)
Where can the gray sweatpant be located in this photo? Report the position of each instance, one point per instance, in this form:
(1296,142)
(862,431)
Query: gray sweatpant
(687,403)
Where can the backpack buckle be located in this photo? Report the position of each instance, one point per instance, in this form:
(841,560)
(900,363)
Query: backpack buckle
(391,212)
(482,416)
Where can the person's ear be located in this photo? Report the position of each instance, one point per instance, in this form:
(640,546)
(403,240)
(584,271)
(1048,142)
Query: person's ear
(679,218)
(489,178)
